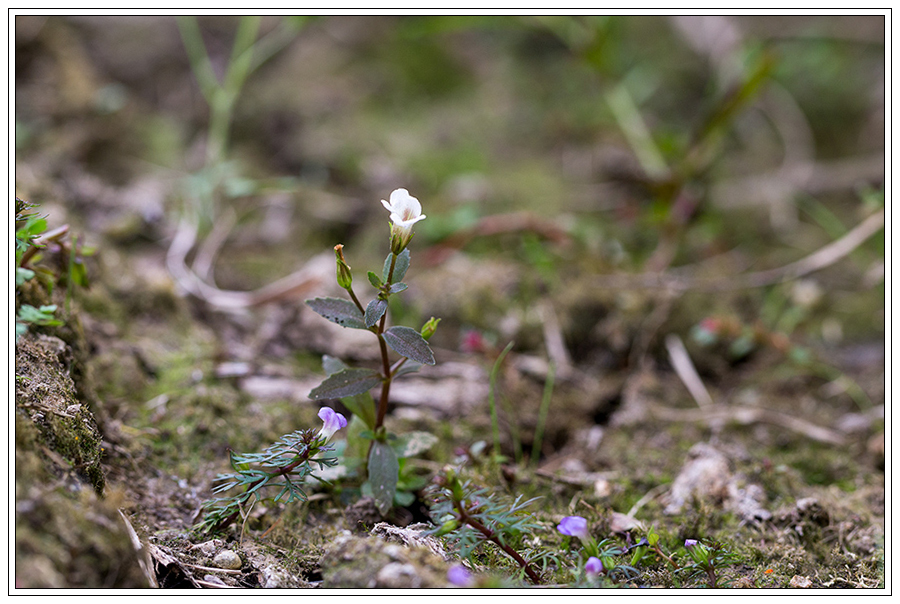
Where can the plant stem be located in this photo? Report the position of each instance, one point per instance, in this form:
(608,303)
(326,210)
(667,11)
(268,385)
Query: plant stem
(465,518)
(495,424)
(282,471)
(542,415)
(668,559)
(356,300)
(385,360)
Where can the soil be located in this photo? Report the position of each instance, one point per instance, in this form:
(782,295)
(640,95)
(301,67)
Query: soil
(125,415)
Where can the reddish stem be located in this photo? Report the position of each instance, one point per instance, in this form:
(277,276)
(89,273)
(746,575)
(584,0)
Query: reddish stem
(464,517)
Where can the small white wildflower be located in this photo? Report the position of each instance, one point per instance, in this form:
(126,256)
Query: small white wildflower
(405,212)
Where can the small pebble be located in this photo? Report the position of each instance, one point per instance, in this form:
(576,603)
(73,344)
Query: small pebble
(800,581)
(208,548)
(227,559)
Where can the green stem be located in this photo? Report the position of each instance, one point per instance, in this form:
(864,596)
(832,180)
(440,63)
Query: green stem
(356,301)
(220,97)
(495,424)
(385,360)
(542,415)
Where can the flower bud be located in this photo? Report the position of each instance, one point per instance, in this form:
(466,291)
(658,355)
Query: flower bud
(344,276)
(429,328)
(697,551)
(447,527)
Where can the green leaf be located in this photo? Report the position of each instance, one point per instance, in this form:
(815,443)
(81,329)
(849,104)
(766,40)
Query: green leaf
(23,275)
(404,498)
(38,316)
(375,310)
(362,406)
(357,447)
(409,343)
(384,469)
(409,367)
(78,273)
(343,312)
(374,280)
(400,267)
(332,365)
(347,382)
(396,288)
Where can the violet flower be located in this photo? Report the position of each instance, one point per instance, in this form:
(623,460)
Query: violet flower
(334,421)
(593,566)
(574,526)
(459,576)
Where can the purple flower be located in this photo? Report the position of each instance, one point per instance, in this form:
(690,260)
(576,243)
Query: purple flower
(689,543)
(593,566)
(459,576)
(334,421)
(574,526)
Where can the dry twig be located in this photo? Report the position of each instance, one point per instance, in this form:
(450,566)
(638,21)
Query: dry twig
(185,239)
(684,367)
(822,258)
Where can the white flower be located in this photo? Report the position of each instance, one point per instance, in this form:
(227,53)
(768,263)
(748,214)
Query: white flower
(334,421)
(405,212)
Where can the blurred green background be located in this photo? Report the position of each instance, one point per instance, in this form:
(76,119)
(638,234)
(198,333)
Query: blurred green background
(603,144)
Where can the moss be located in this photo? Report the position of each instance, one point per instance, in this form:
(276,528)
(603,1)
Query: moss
(73,540)
(46,394)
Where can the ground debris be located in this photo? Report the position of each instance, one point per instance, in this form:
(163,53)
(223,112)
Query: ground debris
(352,561)
(707,476)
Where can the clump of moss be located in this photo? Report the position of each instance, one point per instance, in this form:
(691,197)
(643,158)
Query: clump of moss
(46,394)
(66,539)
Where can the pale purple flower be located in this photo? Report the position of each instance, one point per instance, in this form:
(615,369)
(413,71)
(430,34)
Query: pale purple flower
(689,543)
(574,526)
(405,212)
(593,566)
(334,421)
(459,576)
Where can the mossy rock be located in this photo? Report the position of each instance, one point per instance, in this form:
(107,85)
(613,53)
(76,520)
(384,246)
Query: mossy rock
(47,396)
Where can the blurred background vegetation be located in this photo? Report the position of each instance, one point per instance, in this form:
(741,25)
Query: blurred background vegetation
(592,184)
(602,144)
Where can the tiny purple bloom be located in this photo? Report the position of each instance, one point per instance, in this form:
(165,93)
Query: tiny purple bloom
(334,421)
(574,526)
(459,576)
(689,543)
(593,566)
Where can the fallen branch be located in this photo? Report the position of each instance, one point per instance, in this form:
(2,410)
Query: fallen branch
(185,239)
